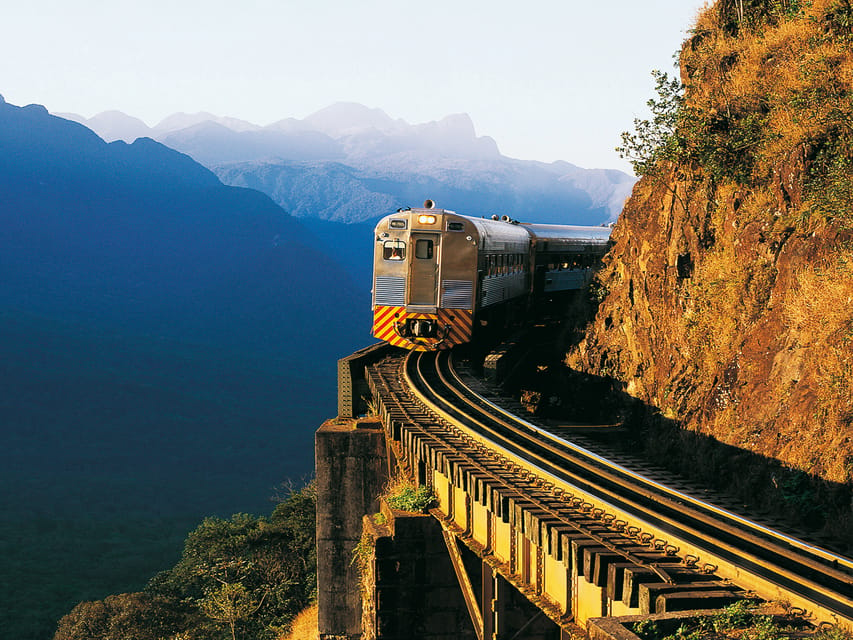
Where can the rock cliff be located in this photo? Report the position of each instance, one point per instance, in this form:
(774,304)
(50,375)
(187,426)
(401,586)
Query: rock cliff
(727,300)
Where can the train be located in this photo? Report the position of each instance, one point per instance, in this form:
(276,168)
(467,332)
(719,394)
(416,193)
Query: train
(438,275)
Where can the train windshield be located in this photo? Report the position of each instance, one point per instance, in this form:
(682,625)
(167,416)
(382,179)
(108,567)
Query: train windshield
(394,250)
(423,249)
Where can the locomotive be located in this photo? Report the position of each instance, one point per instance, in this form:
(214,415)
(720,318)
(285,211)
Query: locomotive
(436,273)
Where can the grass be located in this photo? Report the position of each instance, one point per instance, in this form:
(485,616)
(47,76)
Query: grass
(738,621)
(404,496)
(774,90)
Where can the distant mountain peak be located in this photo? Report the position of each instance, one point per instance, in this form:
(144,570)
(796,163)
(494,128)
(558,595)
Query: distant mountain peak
(348,118)
(178,121)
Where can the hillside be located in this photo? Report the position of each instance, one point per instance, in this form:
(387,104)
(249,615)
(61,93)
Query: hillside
(726,300)
(167,349)
(144,237)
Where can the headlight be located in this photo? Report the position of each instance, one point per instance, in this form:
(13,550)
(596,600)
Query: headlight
(426,219)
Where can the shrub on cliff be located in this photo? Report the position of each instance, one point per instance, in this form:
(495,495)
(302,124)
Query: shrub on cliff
(766,82)
(245,577)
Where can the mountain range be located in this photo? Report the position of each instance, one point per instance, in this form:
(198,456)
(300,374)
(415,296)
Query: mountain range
(350,163)
(150,239)
(168,337)
(167,349)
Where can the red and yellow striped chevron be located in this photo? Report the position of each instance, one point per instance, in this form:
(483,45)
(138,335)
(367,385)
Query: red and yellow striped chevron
(388,323)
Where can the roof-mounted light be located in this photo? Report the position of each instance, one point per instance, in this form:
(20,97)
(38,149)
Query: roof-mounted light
(426,219)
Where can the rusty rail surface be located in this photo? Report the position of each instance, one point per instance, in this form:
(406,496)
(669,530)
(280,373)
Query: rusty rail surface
(570,494)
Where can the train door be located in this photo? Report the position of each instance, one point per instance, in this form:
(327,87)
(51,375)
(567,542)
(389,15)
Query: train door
(423,282)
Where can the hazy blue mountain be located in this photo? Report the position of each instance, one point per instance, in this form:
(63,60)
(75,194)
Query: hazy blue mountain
(212,143)
(167,349)
(143,235)
(112,125)
(346,118)
(337,191)
(350,163)
(178,121)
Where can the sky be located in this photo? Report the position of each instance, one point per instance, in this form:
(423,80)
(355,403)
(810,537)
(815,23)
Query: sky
(547,79)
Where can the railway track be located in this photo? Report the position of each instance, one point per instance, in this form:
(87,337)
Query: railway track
(638,522)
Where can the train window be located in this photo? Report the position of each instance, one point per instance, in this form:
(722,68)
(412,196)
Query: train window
(397,224)
(394,250)
(456,226)
(423,249)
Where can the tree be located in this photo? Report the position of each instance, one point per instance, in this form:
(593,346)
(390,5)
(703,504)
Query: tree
(656,139)
(230,603)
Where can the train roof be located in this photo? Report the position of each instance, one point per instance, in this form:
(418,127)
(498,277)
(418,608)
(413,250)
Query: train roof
(568,232)
(508,229)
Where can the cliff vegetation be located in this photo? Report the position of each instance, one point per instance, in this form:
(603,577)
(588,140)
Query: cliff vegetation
(244,577)
(726,307)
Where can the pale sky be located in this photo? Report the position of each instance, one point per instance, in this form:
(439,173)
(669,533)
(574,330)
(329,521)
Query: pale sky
(547,79)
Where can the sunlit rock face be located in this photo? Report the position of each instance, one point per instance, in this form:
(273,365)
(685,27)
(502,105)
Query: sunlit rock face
(729,289)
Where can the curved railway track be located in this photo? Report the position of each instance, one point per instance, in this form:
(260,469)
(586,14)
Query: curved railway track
(770,563)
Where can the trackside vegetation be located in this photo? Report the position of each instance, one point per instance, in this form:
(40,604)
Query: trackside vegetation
(738,621)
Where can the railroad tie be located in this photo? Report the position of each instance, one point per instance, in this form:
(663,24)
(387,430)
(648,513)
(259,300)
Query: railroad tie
(650,592)
(600,569)
(636,575)
(689,600)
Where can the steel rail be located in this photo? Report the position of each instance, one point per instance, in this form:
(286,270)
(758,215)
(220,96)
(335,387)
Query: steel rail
(628,555)
(649,491)
(824,554)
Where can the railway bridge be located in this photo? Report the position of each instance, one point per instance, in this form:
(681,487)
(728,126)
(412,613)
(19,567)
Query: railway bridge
(530,535)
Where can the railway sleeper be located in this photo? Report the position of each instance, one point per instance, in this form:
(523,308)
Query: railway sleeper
(650,592)
(634,576)
(501,500)
(690,600)
(536,523)
(597,565)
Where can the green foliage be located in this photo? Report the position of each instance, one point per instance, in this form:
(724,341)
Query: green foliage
(230,603)
(734,616)
(833,633)
(646,629)
(362,553)
(685,632)
(737,15)
(721,142)
(738,620)
(656,139)
(128,616)
(724,144)
(800,494)
(250,574)
(829,184)
(413,499)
